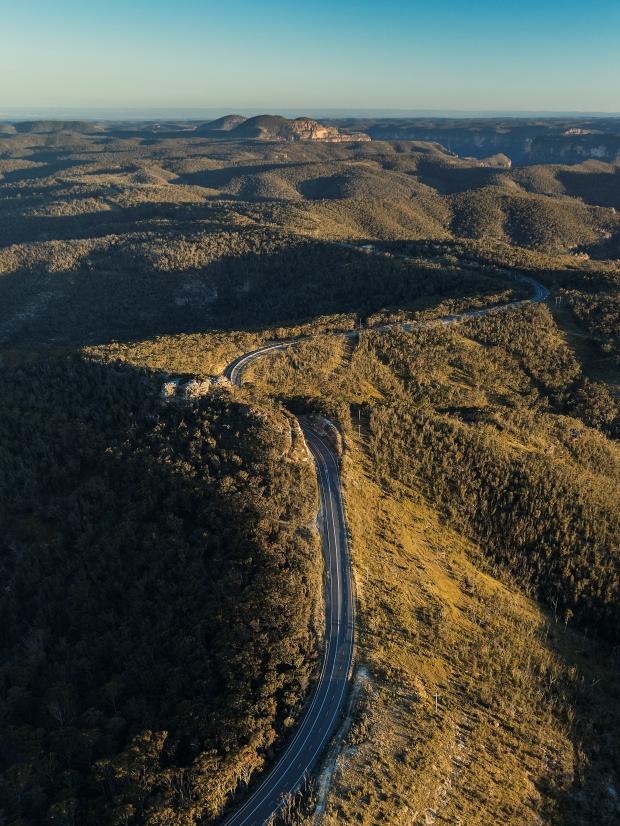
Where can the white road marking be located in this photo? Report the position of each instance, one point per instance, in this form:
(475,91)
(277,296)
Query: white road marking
(279,770)
(329,493)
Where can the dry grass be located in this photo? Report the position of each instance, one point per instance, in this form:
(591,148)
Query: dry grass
(199,354)
(497,748)
(526,716)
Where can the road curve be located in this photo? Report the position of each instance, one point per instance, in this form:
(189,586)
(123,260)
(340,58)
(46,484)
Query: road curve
(324,710)
(323,713)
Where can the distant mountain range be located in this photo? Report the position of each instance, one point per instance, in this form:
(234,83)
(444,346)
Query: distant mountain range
(524,141)
(261,128)
(202,113)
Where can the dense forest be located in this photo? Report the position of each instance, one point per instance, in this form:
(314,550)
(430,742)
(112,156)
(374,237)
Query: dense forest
(147,550)
(526,508)
(553,522)
(130,289)
(482,473)
(148,671)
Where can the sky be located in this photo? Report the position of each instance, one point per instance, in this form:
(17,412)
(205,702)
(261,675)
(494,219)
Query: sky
(270,55)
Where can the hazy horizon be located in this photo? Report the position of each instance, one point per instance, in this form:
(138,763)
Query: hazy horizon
(310,429)
(544,56)
(16,114)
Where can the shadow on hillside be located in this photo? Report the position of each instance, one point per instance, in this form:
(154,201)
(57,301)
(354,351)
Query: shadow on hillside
(120,296)
(603,250)
(134,564)
(592,727)
(53,166)
(449,180)
(126,220)
(217,178)
(326,187)
(601,188)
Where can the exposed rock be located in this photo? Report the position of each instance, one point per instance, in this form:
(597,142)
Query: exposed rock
(499,161)
(277,128)
(306,129)
(176,389)
(169,389)
(575,130)
(195,388)
(525,141)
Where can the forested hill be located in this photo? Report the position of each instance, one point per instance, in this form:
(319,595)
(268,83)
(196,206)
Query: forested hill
(481,477)
(147,548)
(133,232)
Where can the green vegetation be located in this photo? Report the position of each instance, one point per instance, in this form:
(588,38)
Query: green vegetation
(117,233)
(147,549)
(148,671)
(472,487)
(600,314)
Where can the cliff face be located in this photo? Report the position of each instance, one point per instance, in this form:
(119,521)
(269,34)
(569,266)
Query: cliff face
(276,128)
(306,129)
(524,143)
(572,149)
(520,148)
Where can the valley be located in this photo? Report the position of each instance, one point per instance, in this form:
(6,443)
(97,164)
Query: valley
(178,301)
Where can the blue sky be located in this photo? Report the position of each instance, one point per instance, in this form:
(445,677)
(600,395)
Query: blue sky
(269,54)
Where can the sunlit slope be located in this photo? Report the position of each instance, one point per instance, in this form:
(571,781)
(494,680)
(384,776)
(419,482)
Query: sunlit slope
(487,691)
(58,184)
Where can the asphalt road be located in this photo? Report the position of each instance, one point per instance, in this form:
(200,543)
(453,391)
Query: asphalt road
(321,717)
(323,713)
(235,368)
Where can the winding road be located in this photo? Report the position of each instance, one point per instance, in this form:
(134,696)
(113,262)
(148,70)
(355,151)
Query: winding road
(323,713)
(325,708)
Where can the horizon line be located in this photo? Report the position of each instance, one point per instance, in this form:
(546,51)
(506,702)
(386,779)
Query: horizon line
(116,113)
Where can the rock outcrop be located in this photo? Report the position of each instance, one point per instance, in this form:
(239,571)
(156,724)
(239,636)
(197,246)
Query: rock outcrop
(307,129)
(277,128)
(524,142)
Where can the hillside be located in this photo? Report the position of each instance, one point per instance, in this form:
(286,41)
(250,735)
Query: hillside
(160,567)
(277,128)
(146,550)
(50,126)
(223,124)
(69,185)
(525,141)
(485,524)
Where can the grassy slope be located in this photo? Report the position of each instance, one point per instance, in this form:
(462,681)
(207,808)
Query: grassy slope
(524,702)
(527,714)
(195,354)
